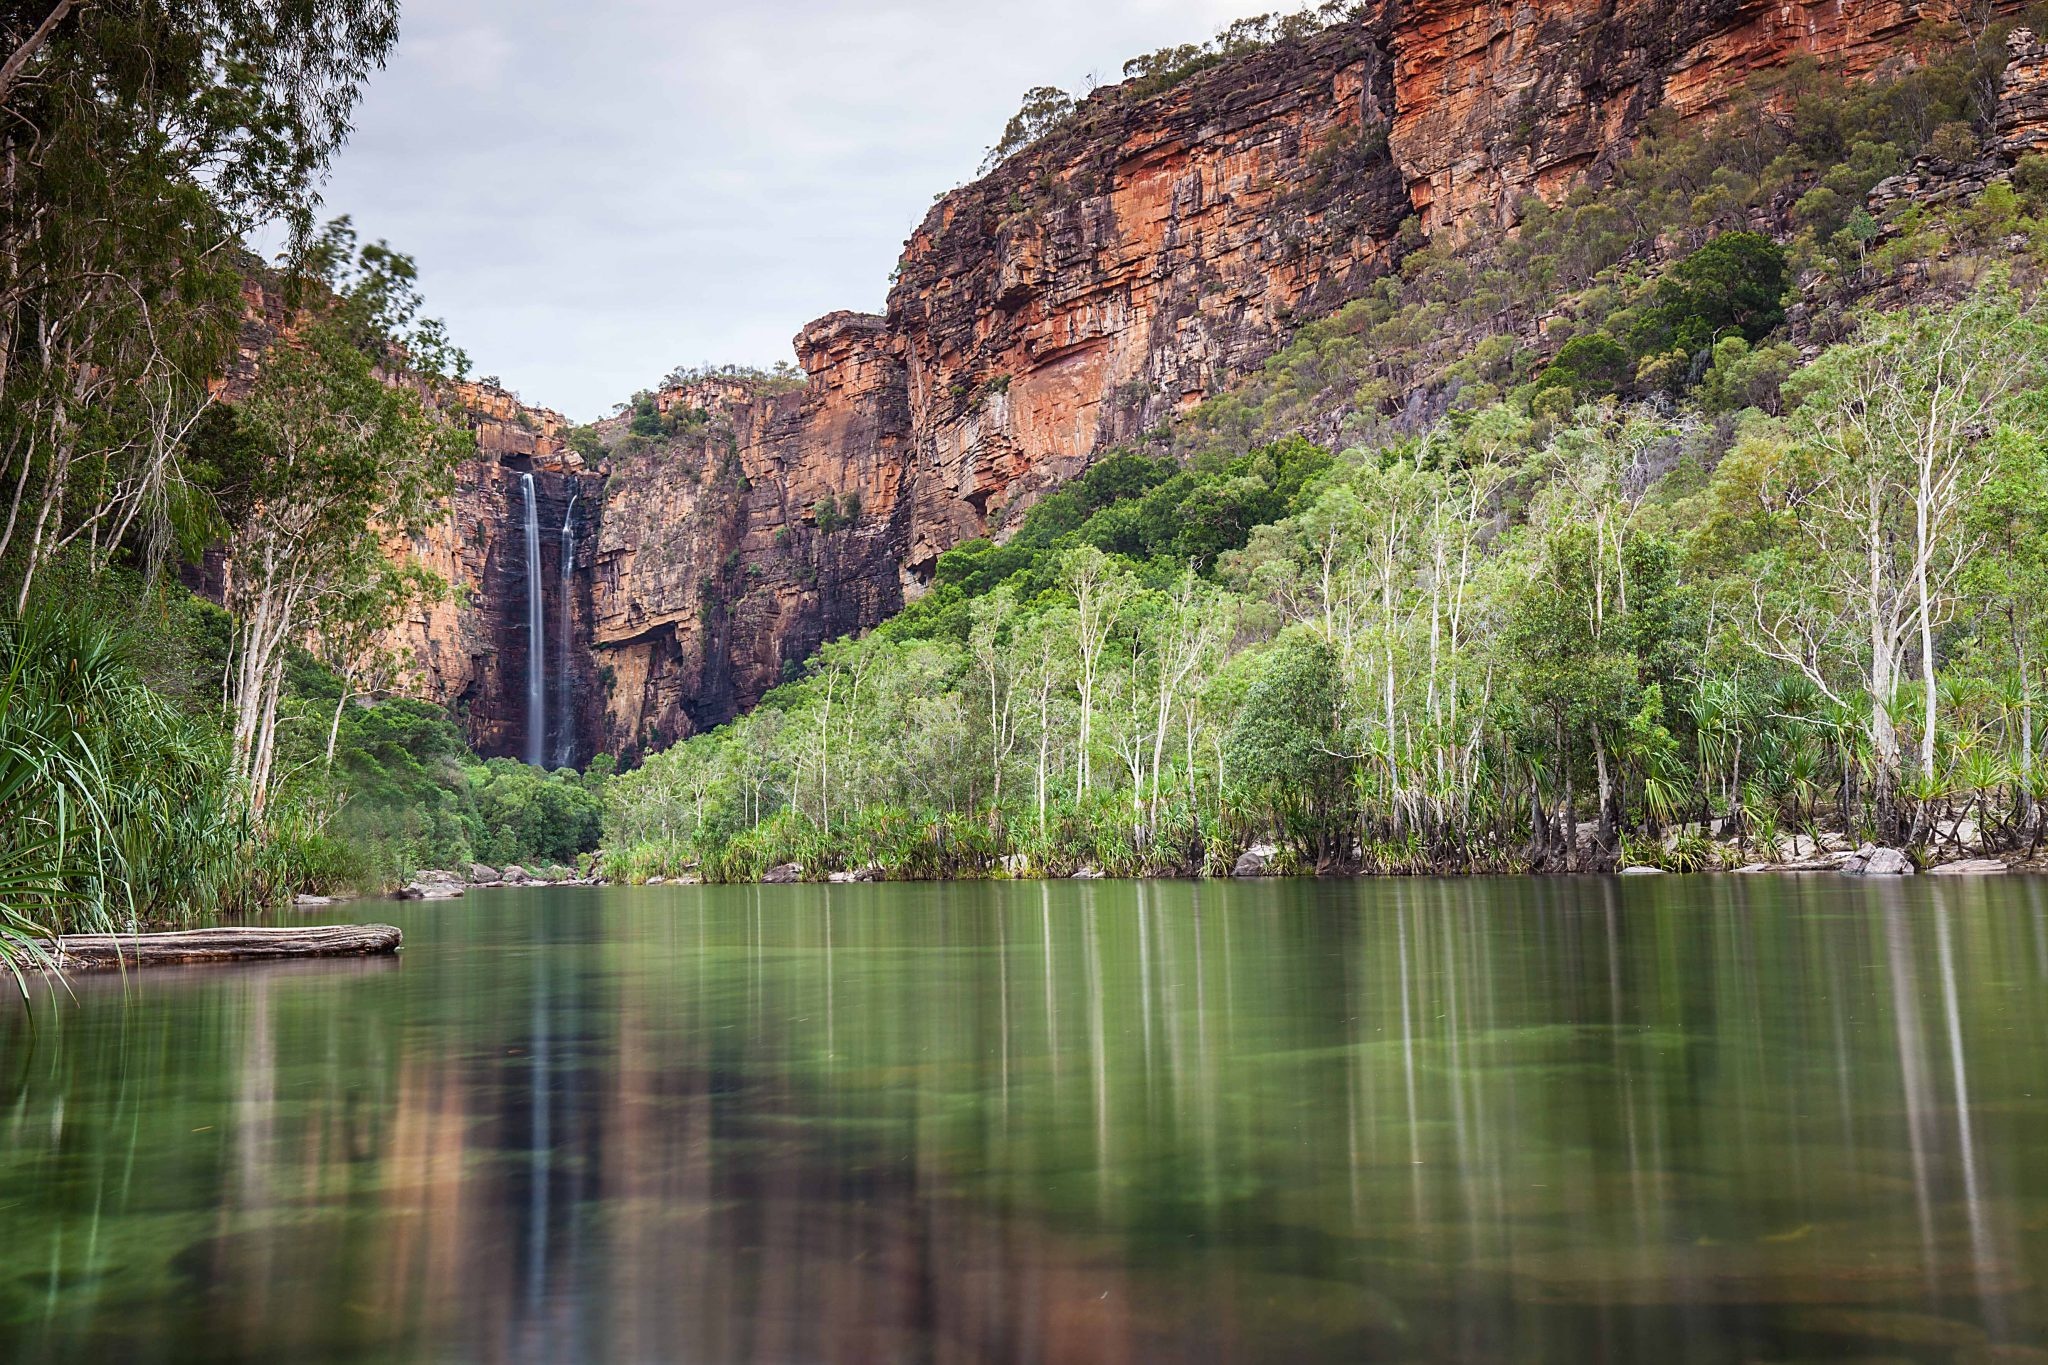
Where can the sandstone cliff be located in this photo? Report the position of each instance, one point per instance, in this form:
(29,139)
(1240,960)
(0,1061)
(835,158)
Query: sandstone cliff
(1119,271)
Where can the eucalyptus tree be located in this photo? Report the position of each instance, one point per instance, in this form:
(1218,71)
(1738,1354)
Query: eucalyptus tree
(1100,591)
(335,447)
(140,141)
(1894,441)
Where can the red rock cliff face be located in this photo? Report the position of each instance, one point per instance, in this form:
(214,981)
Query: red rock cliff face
(1119,271)
(727,555)
(1499,100)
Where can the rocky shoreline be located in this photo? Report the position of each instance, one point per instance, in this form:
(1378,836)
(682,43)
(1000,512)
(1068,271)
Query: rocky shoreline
(1956,854)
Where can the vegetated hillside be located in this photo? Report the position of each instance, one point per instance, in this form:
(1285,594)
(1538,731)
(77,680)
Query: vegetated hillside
(1641,537)
(1135,255)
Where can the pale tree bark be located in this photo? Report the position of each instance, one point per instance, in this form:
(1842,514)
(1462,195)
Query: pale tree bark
(25,51)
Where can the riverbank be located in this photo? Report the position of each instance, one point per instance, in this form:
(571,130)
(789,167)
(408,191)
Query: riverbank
(1956,852)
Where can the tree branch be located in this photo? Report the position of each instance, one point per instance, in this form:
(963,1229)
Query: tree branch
(33,44)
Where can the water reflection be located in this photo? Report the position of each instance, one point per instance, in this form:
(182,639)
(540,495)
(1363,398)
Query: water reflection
(1713,1120)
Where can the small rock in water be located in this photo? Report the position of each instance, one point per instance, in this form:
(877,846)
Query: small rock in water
(1086,874)
(312,902)
(1642,872)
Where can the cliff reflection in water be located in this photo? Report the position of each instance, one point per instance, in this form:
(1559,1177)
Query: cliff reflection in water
(1719,1120)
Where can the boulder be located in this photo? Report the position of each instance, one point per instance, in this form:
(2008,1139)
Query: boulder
(515,875)
(1870,861)
(479,875)
(842,878)
(1971,867)
(434,885)
(1797,848)
(784,875)
(1256,861)
(1962,833)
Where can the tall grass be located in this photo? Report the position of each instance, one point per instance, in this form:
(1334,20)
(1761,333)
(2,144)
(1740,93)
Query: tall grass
(118,809)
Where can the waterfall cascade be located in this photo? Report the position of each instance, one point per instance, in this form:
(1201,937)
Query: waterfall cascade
(565,723)
(536,636)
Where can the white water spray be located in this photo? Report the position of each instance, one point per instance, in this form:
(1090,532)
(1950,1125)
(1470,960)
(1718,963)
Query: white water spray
(565,731)
(536,636)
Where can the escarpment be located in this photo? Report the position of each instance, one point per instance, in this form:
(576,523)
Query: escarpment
(1141,258)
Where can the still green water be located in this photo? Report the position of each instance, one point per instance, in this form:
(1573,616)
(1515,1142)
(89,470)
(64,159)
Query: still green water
(1712,1120)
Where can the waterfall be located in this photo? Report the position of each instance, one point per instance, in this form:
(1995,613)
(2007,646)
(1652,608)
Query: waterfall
(536,636)
(565,732)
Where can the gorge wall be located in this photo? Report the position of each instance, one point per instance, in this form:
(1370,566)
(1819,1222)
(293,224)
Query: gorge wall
(1117,272)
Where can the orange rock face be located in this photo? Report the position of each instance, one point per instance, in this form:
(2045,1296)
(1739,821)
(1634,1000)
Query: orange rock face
(1121,270)
(1497,101)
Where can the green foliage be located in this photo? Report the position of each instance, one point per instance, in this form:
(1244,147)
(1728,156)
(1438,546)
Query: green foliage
(1283,749)
(121,808)
(1045,108)
(1734,286)
(1143,509)
(1515,641)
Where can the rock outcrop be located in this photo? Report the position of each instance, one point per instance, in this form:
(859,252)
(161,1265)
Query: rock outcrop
(1129,265)
(469,648)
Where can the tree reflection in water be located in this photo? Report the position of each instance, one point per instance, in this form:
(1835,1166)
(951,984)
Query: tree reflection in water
(1709,1120)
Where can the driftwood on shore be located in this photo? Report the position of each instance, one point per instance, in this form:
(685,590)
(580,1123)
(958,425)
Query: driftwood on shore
(89,952)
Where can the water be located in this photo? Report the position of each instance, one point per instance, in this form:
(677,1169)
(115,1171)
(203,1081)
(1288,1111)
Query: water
(536,636)
(1726,1120)
(565,741)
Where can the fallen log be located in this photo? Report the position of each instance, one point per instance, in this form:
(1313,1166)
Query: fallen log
(94,952)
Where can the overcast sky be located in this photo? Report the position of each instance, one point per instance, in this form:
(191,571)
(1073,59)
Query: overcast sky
(599,190)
